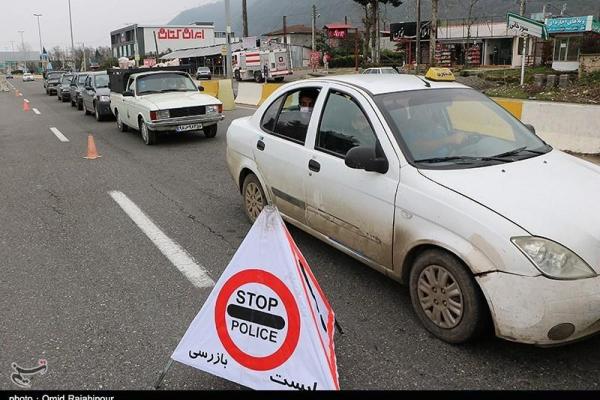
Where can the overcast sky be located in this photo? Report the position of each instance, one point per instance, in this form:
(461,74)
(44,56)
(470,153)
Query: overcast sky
(92,19)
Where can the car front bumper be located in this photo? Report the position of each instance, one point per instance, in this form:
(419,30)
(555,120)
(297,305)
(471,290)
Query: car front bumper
(542,311)
(172,123)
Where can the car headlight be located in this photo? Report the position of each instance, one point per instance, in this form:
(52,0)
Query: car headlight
(104,99)
(552,259)
(217,108)
(164,114)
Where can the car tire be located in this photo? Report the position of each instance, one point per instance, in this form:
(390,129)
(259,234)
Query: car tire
(120,124)
(79,105)
(258,78)
(99,117)
(211,131)
(148,135)
(254,197)
(433,274)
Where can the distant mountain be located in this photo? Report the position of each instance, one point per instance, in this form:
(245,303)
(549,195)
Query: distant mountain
(266,15)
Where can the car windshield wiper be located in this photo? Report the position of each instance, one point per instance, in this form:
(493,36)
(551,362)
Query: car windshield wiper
(149,92)
(467,159)
(175,90)
(517,151)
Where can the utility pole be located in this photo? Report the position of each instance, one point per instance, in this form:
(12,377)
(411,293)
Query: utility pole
(418,34)
(71,25)
(524,52)
(228,60)
(39,32)
(12,43)
(314,23)
(522,7)
(23,48)
(285,30)
(433,33)
(245,17)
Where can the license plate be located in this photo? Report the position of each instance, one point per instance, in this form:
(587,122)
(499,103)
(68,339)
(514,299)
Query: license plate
(189,127)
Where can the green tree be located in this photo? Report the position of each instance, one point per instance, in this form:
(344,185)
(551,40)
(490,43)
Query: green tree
(371,23)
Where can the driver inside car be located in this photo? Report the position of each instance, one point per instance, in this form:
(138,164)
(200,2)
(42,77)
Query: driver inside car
(427,135)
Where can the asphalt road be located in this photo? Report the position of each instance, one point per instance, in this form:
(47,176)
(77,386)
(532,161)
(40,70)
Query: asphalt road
(85,289)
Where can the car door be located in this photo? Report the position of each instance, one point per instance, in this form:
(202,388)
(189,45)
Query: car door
(280,150)
(353,207)
(126,108)
(88,93)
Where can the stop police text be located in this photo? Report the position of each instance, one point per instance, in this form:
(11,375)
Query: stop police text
(263,303)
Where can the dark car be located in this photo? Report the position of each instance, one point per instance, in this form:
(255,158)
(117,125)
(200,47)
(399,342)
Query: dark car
(52,81)
(9,76)
(96,95)
(203,73)
(77,86)
(63,90)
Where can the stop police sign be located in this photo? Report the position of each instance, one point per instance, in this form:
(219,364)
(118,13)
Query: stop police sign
(257,319)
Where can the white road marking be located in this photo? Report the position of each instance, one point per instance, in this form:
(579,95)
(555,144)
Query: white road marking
(59,135)
(36,111)
(26,101)
(184,262)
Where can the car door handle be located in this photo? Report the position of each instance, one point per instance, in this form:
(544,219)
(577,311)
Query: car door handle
(314,166)
(260,145)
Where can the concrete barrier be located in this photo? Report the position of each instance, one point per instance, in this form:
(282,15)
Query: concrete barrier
(249,93)
(226,94)
(566,126)
(210,87)
(267,90)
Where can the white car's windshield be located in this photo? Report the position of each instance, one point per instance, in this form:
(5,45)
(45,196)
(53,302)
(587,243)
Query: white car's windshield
(101,81)
(161,83)
(67,79)
(457,128)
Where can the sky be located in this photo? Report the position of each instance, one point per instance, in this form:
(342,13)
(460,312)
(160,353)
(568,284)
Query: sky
(92,20)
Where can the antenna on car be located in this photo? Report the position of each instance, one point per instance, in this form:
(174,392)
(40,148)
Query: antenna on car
(427,84)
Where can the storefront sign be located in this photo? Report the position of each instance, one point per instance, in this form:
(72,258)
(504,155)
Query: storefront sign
(408,30)
(337,33)
(180,33)
(569,25)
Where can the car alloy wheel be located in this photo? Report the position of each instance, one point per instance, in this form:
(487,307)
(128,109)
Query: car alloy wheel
(254,197)
(440,296)
(144,131)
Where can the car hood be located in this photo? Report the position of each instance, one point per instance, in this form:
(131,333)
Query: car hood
(165,101)
(556,196)
(103,91)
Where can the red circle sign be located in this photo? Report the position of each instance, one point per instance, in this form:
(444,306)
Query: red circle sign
(284,352)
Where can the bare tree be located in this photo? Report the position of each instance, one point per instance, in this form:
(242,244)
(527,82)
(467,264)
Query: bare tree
(470,21)
(433,34)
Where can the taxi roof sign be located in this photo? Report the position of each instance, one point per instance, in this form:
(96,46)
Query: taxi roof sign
(440,74)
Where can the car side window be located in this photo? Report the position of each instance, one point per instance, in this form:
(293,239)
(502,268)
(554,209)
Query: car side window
(344,125)
(295,114)
(269,118)
(87,82)
(131,86)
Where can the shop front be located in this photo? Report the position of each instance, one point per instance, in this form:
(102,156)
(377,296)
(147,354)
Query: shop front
(572,36)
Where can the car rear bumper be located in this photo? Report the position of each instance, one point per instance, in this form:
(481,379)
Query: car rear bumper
(104,109)
(542,311)
(172,124)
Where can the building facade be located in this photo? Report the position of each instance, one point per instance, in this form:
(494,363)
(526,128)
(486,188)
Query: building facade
(573,36)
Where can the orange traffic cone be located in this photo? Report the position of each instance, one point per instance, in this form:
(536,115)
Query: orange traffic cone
(92,153)
(25,105)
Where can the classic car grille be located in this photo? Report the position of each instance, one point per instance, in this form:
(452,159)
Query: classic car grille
(187,111)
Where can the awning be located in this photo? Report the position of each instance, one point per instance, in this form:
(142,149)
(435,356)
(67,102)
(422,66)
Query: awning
(200,51)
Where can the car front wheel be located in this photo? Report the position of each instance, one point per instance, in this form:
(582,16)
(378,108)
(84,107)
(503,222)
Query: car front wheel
(446,298)
(148,135)
(120,124)
(254,197)
(210,131)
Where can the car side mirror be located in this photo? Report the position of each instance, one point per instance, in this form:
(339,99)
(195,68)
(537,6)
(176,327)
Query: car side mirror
(128,94)
(89,88)
(363,157)
(530,127)
(201,88)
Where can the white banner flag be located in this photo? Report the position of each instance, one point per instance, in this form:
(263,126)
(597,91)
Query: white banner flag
(267,324)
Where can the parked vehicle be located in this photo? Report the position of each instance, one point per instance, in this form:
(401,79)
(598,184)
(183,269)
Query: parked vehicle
(27,77)
(77,86)
(259,65)
(9,76)
(52,82)
(63,90)
(162,101)
(436,186)
(382,70)
(95,96)
(203,73)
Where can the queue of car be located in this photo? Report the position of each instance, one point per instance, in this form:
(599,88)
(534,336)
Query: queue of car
(153,102)
(423,179)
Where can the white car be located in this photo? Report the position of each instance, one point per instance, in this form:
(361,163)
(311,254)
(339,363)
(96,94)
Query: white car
(436,186)
(27,77)
(382,70)
(167,101)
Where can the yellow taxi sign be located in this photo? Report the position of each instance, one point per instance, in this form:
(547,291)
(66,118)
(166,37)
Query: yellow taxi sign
(440,74)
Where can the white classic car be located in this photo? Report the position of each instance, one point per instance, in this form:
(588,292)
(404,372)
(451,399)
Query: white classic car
(161,101)
(435,185)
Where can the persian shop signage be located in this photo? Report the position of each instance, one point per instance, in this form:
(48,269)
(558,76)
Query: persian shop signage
(571,25)
(179,33)
(337,33)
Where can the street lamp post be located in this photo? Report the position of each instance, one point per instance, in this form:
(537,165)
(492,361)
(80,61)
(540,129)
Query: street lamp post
(71,25)
(40,34)
(22,47)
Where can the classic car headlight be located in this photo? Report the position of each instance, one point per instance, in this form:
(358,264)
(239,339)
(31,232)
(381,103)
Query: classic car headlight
(552,259)
(104,99)
(164,114)
(217,108)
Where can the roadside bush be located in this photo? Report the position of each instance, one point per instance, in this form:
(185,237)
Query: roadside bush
(343,62)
